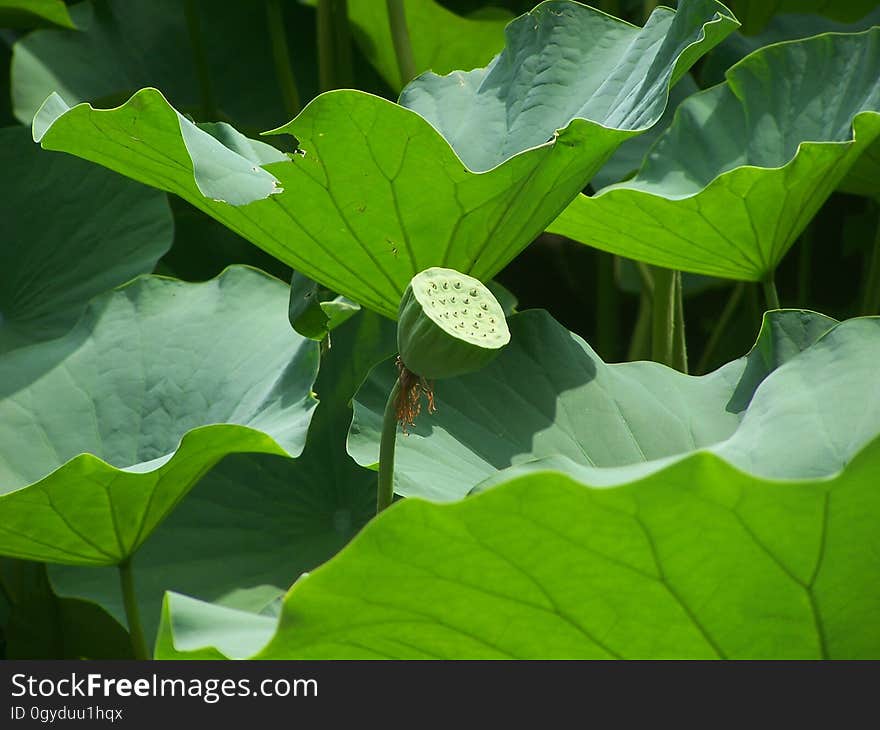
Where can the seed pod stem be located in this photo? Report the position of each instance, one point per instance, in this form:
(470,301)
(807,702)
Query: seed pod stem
(386,450)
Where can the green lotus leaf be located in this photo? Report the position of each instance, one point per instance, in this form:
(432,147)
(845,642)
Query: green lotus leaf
(628,158)
(696,561)
(63,243)
(376,194)
(34,13)
(863,177)
(755,14)
(315,311)
(441,40)
(619,78)
(255,522)
(744,167)
(193,629)
(220,169)
(105,429)
(125,45)
(773,413)
(785,27)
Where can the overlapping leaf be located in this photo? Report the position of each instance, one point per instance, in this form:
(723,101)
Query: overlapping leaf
(863,177)
(784,411)
(255,522)
(68,231)
(755,14)
(104,430)
(377,194)
(698,560)
(124,45)
(34,13)
(744,167)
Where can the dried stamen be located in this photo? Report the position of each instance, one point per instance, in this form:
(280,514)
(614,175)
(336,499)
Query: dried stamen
(408,403)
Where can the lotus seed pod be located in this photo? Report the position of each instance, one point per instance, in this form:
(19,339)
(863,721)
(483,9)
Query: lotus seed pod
(449,324)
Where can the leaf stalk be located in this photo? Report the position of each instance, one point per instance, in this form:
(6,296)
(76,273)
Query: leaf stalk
(210,110)
(663,316)
(334,45)
(871,299)
(720,326)
(400,37)
(679,345)
(387,443)
(771,296)
(281,58)
(132,612)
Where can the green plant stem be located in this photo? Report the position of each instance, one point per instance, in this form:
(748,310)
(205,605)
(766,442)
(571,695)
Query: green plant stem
(334,45)
(132,613)
(640,342)
(400,36)
(679,346)
(805,260)
(387,443)
(770,294)
(720,326)
(194,27)
(663,316)
(871,300)
(607,307)
(281,58)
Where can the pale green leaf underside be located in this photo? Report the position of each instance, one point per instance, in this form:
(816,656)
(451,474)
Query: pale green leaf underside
(784,411)
(379,194)
(34,13)
(697,561)
(68,231)
(105,429)
(126,45)
(565,61)
(255,522)
(729,187)
(193,629)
